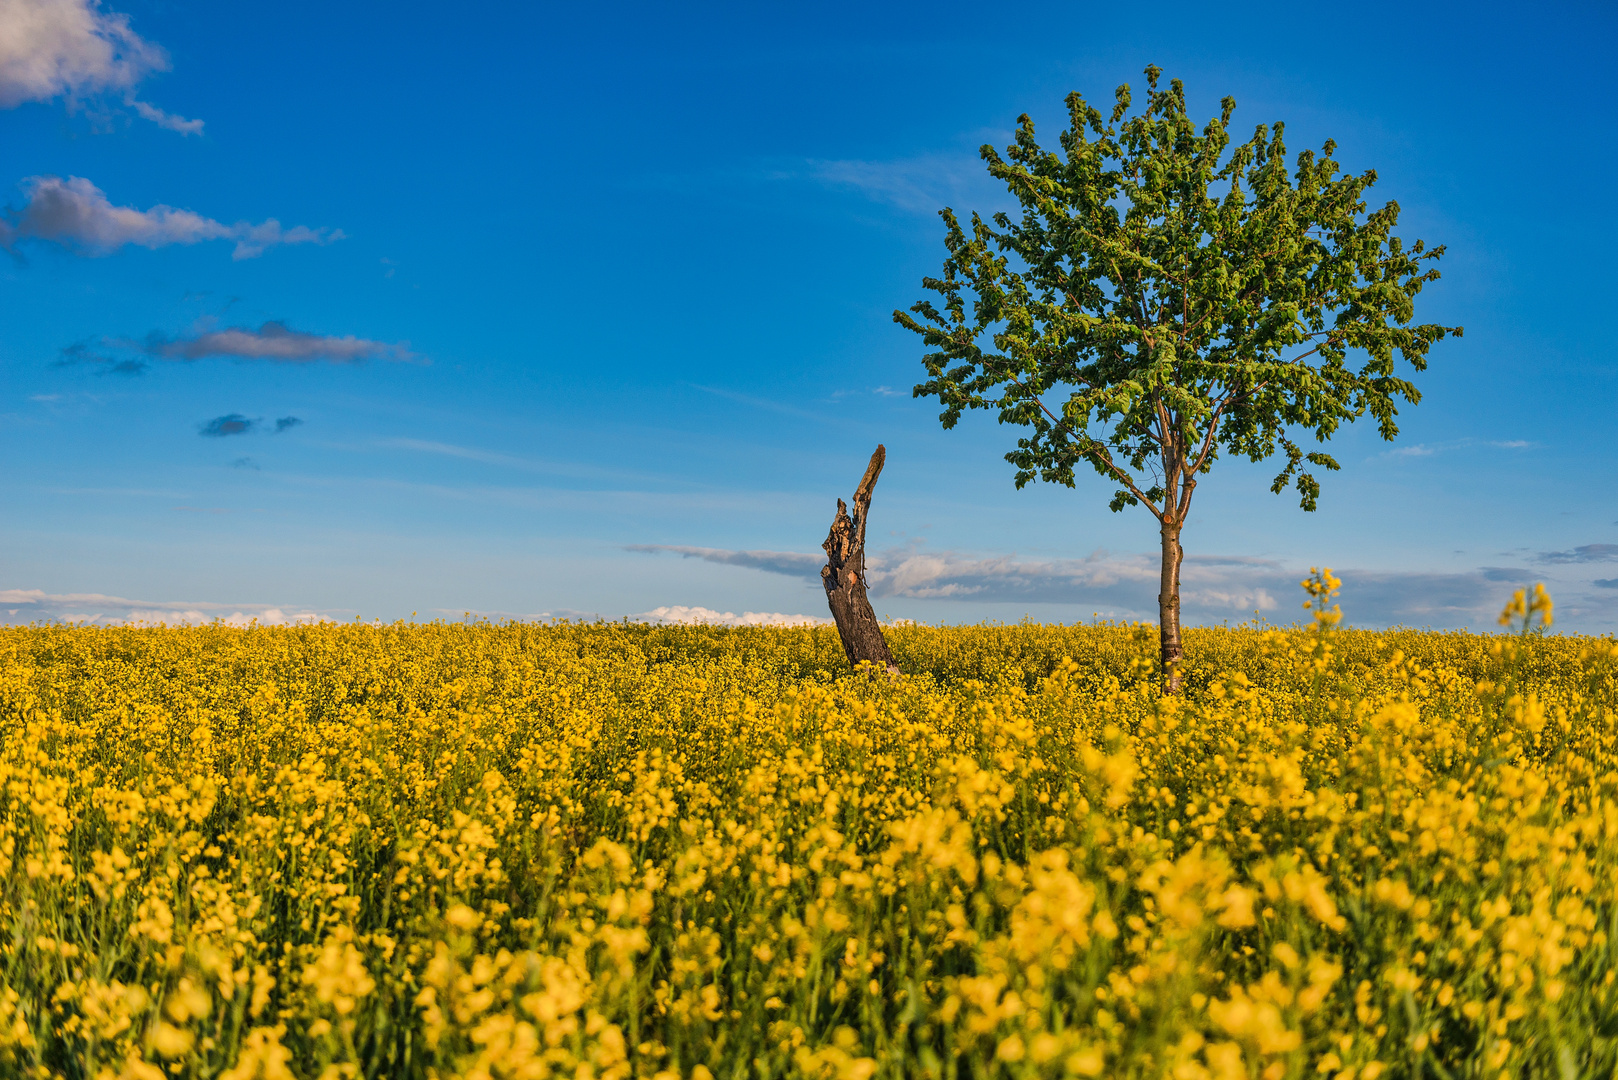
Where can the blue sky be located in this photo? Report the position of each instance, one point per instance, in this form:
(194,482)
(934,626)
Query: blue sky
(545,309)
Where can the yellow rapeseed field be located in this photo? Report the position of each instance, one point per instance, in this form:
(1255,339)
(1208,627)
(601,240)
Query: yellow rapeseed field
(611,850)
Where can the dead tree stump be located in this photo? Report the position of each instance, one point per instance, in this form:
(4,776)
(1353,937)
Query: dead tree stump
(844,576)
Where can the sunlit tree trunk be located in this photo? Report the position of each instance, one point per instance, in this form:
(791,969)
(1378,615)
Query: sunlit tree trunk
(1168,605)
(844,577)
(1179,481)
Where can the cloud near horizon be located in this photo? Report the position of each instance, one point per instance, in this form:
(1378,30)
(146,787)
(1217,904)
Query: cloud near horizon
(789,563)
(1213,589)
(73,49)
(76,215)
(701,616)
(22,606)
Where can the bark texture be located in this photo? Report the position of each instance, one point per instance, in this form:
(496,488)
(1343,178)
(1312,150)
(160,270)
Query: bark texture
(844,576)
(1168,607)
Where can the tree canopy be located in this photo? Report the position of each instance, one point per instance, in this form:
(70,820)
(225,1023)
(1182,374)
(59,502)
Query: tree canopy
(1165,296)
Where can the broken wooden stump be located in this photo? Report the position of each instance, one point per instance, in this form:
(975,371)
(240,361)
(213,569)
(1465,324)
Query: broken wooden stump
(844,576)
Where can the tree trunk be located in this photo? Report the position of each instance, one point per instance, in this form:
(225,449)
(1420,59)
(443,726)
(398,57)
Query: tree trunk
(1168,606)
(844,576)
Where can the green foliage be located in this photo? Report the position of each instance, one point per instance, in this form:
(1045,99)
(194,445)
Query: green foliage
(1166,296)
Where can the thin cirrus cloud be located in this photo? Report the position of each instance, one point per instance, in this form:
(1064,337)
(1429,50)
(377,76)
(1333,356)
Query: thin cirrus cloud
(1586,553)
(73,49)
(916,185)
(1422,450)
(76,215)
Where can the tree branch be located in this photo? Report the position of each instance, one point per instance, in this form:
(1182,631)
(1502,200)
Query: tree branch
(1213,426)
(1311,352)
(1104,457)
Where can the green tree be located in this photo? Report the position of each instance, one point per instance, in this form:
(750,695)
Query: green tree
(1165,297)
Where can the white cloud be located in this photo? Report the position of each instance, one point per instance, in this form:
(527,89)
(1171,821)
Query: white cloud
(167,120)
(21,606)
(77,215)
(76,50)
(498,615)
(708,616)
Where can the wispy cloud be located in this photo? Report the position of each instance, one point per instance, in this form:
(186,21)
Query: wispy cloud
(468,453)
(98,492)
(789,563)
(1587,553)
(921,185)
(75,50)
(21,606)
(90,353)
(765,404)
(680,614)
(272,341)
(1421,450)
(237,424)
(166,119)
(230,424)
(76,215)
(878,391)
(571,469)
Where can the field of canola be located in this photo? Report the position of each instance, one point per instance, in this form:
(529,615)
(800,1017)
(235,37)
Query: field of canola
(608,851)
